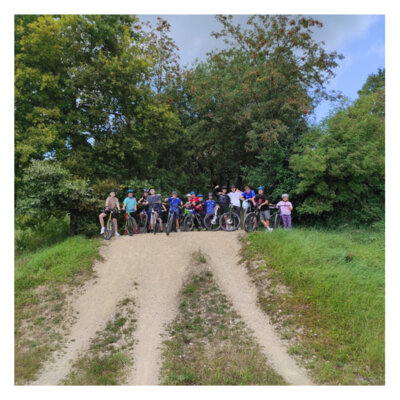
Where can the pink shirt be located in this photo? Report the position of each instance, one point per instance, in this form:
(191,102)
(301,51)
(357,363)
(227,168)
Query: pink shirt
(284,206)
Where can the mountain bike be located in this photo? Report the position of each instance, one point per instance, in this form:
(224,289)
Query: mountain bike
(276,218)
(155,222)
(211,221)
(109,225)
(130,225)
(250,223)
(190,219)
(229,221)
(170,221)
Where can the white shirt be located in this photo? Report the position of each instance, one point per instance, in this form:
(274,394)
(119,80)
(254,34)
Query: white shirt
(235,197)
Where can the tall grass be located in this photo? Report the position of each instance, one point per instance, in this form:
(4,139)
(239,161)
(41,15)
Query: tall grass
(340,276)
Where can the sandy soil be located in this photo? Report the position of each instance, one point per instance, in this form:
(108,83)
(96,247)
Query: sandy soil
(159,264)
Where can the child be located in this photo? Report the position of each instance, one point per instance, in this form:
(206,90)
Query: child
(112,206)
(175,202)
(130,205)
(210,204)
(199,208)
(263,206)
(286,208)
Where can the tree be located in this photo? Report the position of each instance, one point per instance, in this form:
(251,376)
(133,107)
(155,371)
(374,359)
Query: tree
(249,102)
(341,162)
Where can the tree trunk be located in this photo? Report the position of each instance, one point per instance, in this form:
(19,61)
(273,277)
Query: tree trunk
(73,223)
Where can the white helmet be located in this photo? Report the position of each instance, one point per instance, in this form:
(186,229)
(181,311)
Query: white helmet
(285,195)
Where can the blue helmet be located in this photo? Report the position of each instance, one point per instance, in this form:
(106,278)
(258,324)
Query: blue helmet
(145,190)
(130,190)
(192,192)
(260,188)
(200,195)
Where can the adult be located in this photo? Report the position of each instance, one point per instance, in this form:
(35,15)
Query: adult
(263,205)
(112,206)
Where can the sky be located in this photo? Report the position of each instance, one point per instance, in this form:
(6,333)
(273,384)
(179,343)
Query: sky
(360,38)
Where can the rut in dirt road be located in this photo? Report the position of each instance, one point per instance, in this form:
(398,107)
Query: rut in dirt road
(159,265)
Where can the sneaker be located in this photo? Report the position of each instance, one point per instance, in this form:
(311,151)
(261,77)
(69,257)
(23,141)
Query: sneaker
(117,234)
(178,230)
(214,220)
(102,230)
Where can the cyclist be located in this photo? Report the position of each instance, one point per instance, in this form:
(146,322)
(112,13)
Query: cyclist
(263,205)
(286,208)
(112,206)
(235,195)
(223,199)
(199,207)
(154,201)
(210,204)
(193,198)
(130,205)
(143,201)
(174,202)
(249,196)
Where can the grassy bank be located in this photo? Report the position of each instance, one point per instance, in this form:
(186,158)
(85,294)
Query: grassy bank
(333,310)
(42,281)
(208,343)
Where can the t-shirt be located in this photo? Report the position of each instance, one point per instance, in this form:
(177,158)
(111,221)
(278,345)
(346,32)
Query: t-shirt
(144,200)
(260,198)
(199,206)
(249,195)
(235,198)
(284,207)
(210,204)
(223,199)
(194,199)
(154,202)
(130,204)
(174,203)
(112,203)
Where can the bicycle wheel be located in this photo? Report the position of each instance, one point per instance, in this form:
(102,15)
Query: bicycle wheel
(249,223)
(131,226)
(277,221)
(188,223)
(231,223)
(212,223)
(143,219)
(168,227)
(109,229)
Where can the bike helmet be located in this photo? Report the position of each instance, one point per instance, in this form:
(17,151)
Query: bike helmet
(224,187)
(145,190)
(210,194)
(200,195)
(174,192)
(188,195)
(192,193)
(285,195)
(260,188)
(233,186)
(113,190)
(130,191)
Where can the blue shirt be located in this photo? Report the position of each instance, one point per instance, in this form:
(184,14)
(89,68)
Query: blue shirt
(174,203)
(130,204)
(249,195)
(210,204)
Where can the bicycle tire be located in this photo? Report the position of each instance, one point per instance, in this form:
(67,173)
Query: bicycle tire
(170,221)
(188,223)
(131,226)
(212,226)
(232,226)
(143,219)
(249,222)
(109,231)
(277,221)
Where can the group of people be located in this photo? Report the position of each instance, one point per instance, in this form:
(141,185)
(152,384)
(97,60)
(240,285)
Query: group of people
(152,202)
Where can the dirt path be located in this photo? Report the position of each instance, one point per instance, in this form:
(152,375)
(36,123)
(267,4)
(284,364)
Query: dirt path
(158,264)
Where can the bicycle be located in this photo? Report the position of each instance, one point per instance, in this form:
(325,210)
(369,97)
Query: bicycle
(143,221)
(190,218)
(155,223)
(276,217)
(170,221)
(109,225)
(229,221)
(211,221)
(130,225)
(250,223)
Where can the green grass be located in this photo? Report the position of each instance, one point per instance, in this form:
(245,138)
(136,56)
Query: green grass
(108,359)
(337,294)
(209,344)
(42,279)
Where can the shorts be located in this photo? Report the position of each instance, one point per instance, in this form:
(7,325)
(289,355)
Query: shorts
(176,214)
(224,208)
(114,213)
(265,215)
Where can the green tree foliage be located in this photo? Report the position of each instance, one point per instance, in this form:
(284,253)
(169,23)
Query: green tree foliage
(249,102)
(341,162)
